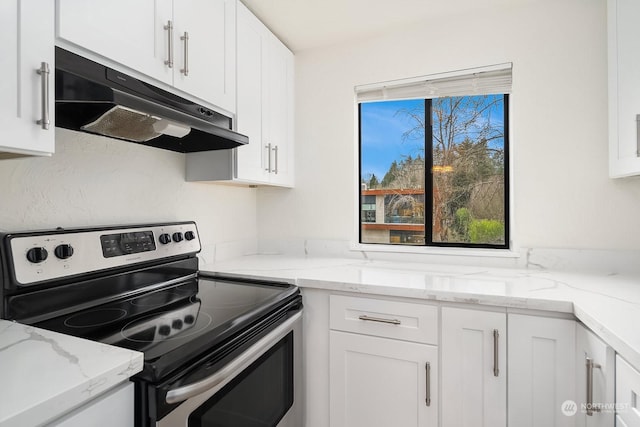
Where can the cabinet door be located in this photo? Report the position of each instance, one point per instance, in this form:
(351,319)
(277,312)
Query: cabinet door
(597,381)
(131,33)
(278,127)
(627,392)
(624,90)
(27,35)
(541,371)
(115,408)
(265,79)
(205,63)
(474,374)
(251,96)
(379,382)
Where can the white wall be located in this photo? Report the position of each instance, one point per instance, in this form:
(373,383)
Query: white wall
(92,180)
(563,197)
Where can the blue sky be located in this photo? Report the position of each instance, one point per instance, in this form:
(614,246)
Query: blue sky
(381,139)
(383,125)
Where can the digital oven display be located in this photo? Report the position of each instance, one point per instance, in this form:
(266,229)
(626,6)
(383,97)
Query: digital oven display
(127,243)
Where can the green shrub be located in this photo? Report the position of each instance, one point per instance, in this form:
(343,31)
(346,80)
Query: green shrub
(461,223)
(486,231)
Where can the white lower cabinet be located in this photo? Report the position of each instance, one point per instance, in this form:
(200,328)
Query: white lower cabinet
(627,392)
(114,408)
(383,366)
(541,378)
(380,382)
(595,373)
(474,368)
(403,363)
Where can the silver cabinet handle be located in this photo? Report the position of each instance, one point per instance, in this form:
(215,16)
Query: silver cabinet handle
(169,60)
(275,151)
(590,406)
(185,39)
(379,319)
(268,168)
(427,368)
(496,336)
(44,72)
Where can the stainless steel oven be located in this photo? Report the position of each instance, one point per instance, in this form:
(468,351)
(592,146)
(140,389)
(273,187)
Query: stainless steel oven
(218,351)
(260,387)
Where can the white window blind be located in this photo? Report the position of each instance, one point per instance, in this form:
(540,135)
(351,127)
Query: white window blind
(489,80)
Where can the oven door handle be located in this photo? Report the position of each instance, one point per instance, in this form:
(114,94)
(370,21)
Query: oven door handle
(233,368)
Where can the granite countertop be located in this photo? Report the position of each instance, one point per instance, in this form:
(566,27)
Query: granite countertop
(607,304)
(46,374)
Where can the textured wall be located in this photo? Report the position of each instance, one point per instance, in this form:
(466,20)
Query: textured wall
(93,180)
(563,197)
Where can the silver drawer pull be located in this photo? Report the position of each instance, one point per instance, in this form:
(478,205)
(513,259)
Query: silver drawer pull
(185,39)
(591,407)
(496,336)
(275,150)
(380,319)
(427,399)
(44,72)
(169,60)
(268,148)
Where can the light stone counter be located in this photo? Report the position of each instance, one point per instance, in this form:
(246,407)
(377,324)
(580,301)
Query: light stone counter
(607,304)
(45,374)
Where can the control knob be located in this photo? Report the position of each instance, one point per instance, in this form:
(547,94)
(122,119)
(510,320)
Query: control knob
(164,238)
(63,251)
(36,255)
(189,319)
(176,324)
(189,235)
(164,330)
(177,237)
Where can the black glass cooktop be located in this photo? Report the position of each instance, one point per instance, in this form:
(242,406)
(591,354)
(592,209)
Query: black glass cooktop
(172,325)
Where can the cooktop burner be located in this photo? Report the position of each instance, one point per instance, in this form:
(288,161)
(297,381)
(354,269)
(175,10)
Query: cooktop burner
(157,299)
(171,323)
(97,317)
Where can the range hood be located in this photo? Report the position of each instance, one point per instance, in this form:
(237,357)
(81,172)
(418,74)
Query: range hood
(96,99)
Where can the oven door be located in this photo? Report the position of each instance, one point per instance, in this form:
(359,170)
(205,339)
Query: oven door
(260,388)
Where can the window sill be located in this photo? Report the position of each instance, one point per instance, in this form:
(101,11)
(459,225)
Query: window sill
(431,250)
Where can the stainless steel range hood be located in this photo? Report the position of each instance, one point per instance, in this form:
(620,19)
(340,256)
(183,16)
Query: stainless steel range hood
(96,99)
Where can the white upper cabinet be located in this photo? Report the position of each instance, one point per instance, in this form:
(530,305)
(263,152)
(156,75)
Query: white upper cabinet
(278,127)
(205,61)
(265,104)
(252,93)
(131,33)
(27,83)
(624,87)
(188,44)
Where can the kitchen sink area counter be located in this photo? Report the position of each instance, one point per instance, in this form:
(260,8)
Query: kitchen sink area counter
(608,304)
(47,374)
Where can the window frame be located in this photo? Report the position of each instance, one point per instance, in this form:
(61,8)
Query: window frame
(508,249)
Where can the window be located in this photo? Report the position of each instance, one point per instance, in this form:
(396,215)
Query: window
(434,170)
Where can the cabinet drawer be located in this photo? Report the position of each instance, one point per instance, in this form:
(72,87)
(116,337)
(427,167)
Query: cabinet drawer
(627,393)
(390,319)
